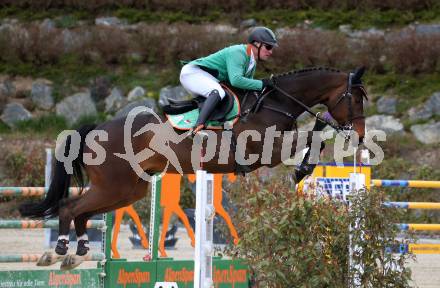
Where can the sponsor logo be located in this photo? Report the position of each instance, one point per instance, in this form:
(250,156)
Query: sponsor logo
(65,279)
(133,277)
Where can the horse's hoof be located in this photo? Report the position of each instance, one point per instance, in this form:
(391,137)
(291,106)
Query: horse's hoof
(71,261)
(49,258)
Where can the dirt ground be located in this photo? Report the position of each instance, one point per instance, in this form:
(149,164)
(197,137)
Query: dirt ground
(426,268)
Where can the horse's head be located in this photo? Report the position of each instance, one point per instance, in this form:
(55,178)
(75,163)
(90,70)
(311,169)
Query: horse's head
(345,103)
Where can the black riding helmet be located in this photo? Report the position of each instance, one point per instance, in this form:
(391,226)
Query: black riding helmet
(263,35)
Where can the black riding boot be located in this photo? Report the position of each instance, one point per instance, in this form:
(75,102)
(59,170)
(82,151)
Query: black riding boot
(208,107)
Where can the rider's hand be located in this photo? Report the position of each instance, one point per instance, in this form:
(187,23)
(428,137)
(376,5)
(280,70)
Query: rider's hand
(268,83)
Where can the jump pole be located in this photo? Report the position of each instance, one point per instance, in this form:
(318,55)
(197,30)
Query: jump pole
(204,230)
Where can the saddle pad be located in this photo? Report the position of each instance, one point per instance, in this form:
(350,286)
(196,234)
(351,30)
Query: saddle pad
(187,120)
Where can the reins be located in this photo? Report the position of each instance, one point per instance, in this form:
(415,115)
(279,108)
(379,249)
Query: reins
(255,107)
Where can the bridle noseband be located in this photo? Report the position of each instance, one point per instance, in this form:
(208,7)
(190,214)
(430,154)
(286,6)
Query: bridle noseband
(348,95)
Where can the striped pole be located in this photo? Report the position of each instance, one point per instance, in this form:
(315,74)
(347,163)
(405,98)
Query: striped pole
(16,258)
(405,183)
(414,205)
(31,191)
(34,224)
(424,248)
(419,227)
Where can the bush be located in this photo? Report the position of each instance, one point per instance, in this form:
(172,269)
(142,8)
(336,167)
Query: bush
(31,47)
(200,7)
(289,239)
(25,168)
(374,232)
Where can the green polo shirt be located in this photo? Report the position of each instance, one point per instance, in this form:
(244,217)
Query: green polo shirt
(233,65)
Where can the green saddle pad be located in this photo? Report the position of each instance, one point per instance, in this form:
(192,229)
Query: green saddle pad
(187,120)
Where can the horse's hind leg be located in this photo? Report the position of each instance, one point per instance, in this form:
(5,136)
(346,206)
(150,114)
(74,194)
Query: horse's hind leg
(81,233)
(94,202)
(65,219)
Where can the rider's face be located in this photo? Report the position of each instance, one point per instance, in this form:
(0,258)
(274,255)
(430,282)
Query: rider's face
(265,51)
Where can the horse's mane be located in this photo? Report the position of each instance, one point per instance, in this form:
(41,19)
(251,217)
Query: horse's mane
(299,72)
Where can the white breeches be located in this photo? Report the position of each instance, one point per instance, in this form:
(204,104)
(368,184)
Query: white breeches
(199,82)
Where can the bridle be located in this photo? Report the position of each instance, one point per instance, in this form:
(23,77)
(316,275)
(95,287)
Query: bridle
(345,128)
(348,96)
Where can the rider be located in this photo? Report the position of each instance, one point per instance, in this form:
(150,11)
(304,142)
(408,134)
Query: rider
(235,64)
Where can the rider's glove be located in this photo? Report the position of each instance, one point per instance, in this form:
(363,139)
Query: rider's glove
(268,83)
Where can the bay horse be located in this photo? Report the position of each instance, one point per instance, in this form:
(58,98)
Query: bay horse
(114,183)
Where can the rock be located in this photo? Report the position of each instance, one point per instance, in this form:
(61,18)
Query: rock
(427,133)
(366,33)
(148,102)
(100,88)
(433,103)
(136,94)
(109,21)
(115,101)
(175,93)
(41,95)
(223,28)
(47,25)
(419,113)
(7,90)
(346,28)
(427,29)
(76,106)
(388,124)
(386,105)
(13,113)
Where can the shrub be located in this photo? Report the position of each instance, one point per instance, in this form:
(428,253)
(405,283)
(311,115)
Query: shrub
(32,47)
(200,7)
(25,168)
(289,239)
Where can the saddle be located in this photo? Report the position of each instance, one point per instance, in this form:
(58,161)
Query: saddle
(219,114)
(182,114)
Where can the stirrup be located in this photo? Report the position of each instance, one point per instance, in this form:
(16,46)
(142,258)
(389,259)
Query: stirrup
(197,129)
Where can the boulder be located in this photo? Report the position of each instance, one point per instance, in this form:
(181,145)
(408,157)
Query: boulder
(109,21)
(14,113)
(419,113)
(148,102)
(386,123)
(175,93)
(76,106)
(100,88)
(427,133)
(136,94)
(7,90)
(114,101)
(386,105)
(433,103)
(41,95)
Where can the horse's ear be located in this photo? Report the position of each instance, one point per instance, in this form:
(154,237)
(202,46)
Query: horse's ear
(358,74)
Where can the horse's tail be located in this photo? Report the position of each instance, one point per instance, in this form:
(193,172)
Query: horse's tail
(59,186)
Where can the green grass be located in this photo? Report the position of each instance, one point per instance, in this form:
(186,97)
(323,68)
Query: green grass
(331,19)
(410,90)
(47,125)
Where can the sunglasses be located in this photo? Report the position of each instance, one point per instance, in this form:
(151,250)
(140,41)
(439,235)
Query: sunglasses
(268,47)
